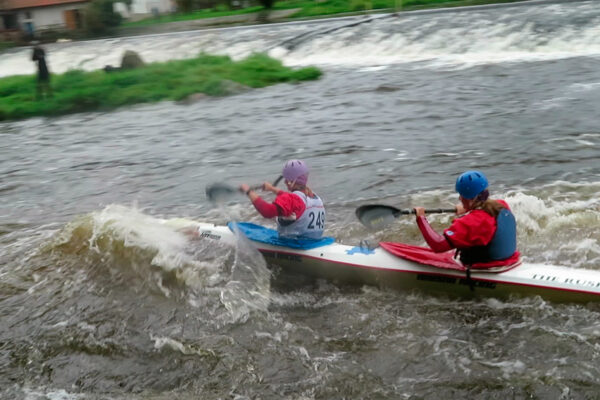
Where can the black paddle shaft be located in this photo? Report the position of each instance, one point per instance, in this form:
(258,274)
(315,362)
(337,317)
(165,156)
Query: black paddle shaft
(427,211)
(377,216)
(275,183)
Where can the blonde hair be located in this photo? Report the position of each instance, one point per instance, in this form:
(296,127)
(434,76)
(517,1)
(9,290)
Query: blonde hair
(303,188)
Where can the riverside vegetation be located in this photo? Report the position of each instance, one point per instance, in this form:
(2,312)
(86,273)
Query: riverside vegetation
(78,91)
(312,8)
(101,20)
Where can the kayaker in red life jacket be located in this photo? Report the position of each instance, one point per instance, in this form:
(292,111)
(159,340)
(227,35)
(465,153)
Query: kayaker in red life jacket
(485,231)
(300,212)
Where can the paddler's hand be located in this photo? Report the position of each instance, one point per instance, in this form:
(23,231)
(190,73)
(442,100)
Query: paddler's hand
(460,209)
(270,188)
(244,188)
(419,211)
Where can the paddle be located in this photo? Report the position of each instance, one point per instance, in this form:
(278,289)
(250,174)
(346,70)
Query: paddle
(378,216)
(221,192)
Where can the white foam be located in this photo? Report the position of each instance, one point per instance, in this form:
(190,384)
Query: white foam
(163,342)
(475,43)
(584,87)
(508,368)
(50,394)
(437,40)
(141,231)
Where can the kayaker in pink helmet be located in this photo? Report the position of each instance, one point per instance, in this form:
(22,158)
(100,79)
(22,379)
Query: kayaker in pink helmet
(299,211)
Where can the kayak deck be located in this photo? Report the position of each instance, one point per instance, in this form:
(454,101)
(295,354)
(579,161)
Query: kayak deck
(375,266)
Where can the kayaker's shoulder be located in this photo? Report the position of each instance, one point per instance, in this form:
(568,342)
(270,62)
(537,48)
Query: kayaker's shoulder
(504,203)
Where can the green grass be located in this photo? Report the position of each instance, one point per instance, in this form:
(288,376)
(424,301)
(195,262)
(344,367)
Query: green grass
(78,91)
(6,45)
(312,8)
(329,7)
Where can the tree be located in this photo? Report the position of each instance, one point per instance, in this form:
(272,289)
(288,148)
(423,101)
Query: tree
(185,5)
(100,16)
(268,4)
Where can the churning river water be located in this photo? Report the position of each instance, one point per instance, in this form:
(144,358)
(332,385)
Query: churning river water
(99,300)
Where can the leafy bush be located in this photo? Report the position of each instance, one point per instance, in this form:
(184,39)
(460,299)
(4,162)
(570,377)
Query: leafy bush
(268,4)
(221,7)
(100,17)
(184,5)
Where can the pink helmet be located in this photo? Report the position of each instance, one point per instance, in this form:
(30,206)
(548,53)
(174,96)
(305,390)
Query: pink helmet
(295,171)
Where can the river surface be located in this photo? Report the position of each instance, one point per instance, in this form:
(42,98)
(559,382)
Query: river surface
(100,300)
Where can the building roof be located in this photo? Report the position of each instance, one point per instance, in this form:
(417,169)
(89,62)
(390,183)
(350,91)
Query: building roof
(18,4)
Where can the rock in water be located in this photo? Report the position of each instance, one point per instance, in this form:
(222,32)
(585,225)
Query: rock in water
(192,98)
(131,60)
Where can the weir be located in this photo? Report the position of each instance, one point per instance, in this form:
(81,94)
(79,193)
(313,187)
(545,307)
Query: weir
(296,41)
(524,31)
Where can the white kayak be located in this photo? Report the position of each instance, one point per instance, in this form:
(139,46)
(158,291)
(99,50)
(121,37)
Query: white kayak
(376,266)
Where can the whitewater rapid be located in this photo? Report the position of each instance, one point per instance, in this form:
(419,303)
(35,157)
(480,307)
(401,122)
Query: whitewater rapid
(459,38)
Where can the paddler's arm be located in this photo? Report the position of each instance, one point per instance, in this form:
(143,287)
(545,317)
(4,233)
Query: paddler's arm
(438,243)
(267,210)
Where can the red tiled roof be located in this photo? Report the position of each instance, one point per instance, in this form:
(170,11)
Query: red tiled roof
(16,4)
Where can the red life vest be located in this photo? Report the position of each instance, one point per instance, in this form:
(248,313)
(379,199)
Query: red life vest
(481,238)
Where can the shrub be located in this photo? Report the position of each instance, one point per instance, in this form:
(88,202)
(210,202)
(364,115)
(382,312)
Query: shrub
(184,5)
(100,17)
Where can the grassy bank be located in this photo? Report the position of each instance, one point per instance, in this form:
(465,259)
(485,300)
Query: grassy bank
(329,7)
(78,91)
(312,8)
(6,45)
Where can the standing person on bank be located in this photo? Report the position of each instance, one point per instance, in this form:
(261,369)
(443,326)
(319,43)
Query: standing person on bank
(299,211)
(43,77)
(485,231)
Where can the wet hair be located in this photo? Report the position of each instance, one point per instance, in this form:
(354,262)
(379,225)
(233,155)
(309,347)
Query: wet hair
(483,202)
(303,188)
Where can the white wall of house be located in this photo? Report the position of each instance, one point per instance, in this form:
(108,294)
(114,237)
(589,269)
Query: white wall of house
(144,7)
(47,17)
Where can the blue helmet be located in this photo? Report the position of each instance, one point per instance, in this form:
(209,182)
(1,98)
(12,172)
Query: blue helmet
(469,184)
